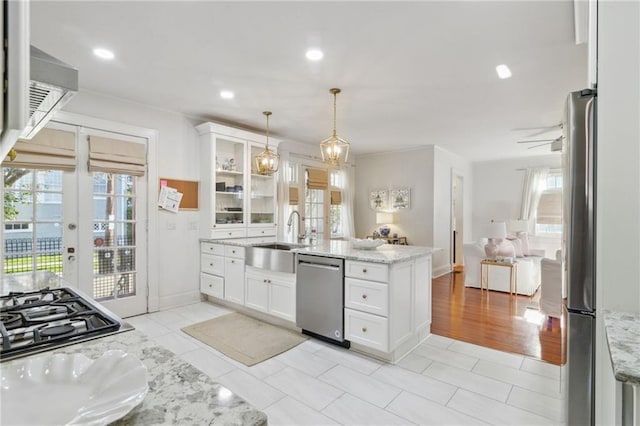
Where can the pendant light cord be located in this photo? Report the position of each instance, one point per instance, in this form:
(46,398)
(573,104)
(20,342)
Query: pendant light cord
(334,113)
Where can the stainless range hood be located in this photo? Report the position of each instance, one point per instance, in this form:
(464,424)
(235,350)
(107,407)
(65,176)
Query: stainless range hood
(52,83)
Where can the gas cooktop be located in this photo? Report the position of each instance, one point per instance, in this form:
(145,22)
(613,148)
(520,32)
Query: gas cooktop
(41,320)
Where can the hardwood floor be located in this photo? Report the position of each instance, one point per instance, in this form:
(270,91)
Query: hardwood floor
(495,320)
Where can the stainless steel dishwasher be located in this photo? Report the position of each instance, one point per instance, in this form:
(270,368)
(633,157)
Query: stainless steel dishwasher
(320,297)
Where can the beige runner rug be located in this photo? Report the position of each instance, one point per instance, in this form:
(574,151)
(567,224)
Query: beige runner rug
(243,338)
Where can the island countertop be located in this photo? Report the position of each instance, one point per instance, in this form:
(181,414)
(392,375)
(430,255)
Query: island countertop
(178,392)
(623,337)
(386,253)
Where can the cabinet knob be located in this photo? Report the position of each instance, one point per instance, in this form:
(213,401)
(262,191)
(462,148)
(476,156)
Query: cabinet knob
(263,232)
(210,264)
(264,281)
(364,296)
(364,270)
(229,233)
(233,251)
(210,285)
(233,261)
(364,329)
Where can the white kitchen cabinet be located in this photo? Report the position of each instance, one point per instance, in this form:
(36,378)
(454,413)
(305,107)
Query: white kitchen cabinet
(234,280)
(212,285)
(282,298)
(271,292)
(236,201)
(256,292)
(387,306)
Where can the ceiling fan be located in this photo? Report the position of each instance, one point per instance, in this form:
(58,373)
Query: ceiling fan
(556,144)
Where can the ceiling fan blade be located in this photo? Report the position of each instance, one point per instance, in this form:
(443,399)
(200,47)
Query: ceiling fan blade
(542,144)
(537,140)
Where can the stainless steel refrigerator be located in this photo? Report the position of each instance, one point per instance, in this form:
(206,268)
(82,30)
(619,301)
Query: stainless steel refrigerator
(579,209)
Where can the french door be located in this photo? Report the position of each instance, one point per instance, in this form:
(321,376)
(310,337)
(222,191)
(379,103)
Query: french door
(86,227)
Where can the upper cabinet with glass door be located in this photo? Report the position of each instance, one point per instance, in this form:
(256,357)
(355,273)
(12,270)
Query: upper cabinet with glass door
(236,202)
(262,196)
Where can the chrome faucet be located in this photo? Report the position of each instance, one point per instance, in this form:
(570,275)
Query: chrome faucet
(301,236)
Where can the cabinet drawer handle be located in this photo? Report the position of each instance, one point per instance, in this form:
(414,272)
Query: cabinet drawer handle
(364,296)
(210,264)
(264,281)
(210,285)
(364,271)
(233,251)
(229,233)
(262,232)
(233,261)
(364,329)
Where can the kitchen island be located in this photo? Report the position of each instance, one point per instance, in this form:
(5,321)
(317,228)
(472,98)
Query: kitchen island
(386,296)
(178,393)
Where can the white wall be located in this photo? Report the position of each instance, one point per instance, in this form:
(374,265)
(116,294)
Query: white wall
(412,169)
(618,203)
(497,195)
(178,249)
(444,162)
(427,171)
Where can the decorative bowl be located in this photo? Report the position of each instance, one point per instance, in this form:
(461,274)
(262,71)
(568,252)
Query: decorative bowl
(366,244)
(71,389)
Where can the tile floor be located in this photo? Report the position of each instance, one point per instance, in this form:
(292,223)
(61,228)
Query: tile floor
(442,382)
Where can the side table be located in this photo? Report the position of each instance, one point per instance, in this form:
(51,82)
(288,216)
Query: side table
(513,274)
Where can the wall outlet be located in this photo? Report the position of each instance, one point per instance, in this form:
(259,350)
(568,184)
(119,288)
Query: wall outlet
(171,226)
(193,225)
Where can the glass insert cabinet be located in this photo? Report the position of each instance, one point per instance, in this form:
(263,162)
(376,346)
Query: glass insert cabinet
(236,201)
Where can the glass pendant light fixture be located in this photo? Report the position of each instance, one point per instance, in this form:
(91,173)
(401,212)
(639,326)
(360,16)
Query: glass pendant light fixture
(267,161)
(335,150)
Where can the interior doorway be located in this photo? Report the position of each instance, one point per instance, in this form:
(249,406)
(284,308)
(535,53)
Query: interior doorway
(457,222)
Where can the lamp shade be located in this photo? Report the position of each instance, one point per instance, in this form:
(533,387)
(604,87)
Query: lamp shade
(496,230)
(384,218)
(520,225)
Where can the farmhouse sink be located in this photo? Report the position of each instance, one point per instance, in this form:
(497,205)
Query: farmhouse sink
(272,256)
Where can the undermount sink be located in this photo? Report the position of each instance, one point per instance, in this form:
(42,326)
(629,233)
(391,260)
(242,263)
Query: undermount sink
(272,256)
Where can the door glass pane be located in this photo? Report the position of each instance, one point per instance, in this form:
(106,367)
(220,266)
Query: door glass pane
(114,244)
(32,221)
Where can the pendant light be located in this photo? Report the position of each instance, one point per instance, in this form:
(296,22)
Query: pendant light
(335,150)
(267,161)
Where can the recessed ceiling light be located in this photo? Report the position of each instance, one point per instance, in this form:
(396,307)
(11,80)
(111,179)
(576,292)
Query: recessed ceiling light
(227,94)
(314,54)
(103,53)
(503,71)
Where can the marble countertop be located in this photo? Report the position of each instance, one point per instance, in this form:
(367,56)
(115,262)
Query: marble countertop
(386,253)
(623,337)
(178,392)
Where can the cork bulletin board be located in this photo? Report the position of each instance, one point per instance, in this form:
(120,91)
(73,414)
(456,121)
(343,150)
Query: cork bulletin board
(189,190)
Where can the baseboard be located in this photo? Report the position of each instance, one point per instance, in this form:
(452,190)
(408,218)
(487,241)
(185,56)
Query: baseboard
(441,270)
(176,300)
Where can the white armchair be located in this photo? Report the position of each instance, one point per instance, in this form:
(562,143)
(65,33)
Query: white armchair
(528,271)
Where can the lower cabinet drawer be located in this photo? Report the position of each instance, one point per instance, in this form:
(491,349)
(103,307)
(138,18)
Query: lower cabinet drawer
(366,329)
(368,296)
(212,264)
(366,270)
(212,285)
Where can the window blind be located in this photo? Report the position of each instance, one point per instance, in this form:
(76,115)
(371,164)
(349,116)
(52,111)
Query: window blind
(336,197)
(49,149)
(116,156)
(550,208)
(293,196)
(317,179)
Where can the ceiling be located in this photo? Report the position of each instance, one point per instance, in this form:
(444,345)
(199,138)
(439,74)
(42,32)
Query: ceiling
(412,73)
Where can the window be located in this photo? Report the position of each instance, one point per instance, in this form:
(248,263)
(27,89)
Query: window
(336,213)
(549,211)
(17,227)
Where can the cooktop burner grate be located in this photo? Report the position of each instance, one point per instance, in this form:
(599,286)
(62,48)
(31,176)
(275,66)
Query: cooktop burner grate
(48,318)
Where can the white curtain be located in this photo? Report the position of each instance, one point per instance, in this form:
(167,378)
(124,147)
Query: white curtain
(533,185)
(283,195)
(348,228)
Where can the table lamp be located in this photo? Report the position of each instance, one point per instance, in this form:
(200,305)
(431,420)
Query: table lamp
(384,219)
(494,231)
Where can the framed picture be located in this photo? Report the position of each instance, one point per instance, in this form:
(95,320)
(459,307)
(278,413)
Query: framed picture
(378,199)
(401,198)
